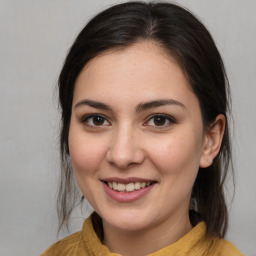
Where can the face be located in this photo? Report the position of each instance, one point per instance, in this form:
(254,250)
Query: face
(136,137)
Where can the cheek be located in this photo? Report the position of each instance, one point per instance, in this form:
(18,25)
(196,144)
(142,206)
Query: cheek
(177,161)
(177,155)
(86,155)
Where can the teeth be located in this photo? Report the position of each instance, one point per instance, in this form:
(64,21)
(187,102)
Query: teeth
(120,187)
(137,185)
(110,184)
(114,185)
(127,187)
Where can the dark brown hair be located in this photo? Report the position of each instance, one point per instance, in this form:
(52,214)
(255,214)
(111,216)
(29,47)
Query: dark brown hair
(187,40)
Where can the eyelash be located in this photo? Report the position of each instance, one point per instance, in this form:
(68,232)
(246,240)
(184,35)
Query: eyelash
(167,118)
(85,120)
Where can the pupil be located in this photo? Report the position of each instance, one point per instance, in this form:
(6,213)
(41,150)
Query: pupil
(97,120)
(159,120)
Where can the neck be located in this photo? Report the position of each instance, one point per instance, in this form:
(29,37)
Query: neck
(145,241)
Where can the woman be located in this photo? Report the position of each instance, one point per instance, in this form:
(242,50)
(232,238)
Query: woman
(145,101)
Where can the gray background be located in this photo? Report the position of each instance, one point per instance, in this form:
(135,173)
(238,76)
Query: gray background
(34,38)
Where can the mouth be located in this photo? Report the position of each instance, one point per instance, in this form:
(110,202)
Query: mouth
(127,190)
(129,187)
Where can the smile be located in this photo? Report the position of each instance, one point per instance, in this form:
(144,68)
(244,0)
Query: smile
(127,190)
(130,187)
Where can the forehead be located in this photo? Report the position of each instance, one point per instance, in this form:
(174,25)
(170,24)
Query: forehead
(141,72)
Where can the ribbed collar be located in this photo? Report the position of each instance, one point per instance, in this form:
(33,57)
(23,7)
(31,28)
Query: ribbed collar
(194,242)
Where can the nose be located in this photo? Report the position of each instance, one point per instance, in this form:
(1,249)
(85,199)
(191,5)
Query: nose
(125,150)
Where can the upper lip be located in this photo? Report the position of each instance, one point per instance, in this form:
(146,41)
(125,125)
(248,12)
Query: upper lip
(127,180)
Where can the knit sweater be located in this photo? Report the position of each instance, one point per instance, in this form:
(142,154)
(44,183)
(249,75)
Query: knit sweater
(87,242)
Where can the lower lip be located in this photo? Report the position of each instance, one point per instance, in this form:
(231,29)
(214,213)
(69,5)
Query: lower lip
(126,197)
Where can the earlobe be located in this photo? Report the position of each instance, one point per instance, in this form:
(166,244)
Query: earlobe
(212,141)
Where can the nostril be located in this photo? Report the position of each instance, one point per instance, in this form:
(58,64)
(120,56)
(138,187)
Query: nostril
(125,157)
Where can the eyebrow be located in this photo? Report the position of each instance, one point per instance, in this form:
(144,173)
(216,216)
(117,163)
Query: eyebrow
(157,103)
(140,107)
(94,104)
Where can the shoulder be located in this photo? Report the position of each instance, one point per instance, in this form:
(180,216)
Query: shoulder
(214,246)
(81,243)
(221,247)
(65,246)
(228,249)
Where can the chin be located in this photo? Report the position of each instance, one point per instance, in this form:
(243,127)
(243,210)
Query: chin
(126,220)
(128,226)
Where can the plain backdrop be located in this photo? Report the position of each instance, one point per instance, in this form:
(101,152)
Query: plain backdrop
(34,39)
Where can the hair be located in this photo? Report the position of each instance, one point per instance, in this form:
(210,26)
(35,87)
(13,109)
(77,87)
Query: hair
(184,38)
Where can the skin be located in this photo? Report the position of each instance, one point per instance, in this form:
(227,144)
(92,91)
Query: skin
(130,143)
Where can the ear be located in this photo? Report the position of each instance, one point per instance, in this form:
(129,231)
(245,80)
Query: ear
(212,141)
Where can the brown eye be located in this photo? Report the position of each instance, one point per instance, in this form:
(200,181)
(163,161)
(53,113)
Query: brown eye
(98,120)
(159,120)
(95,120)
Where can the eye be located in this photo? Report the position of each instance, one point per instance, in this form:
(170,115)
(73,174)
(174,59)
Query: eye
(160,120)
(95,120)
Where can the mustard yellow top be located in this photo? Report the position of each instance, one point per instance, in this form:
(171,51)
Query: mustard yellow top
(88,243)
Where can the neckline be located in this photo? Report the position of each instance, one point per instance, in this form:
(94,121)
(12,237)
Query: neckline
(92,235)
